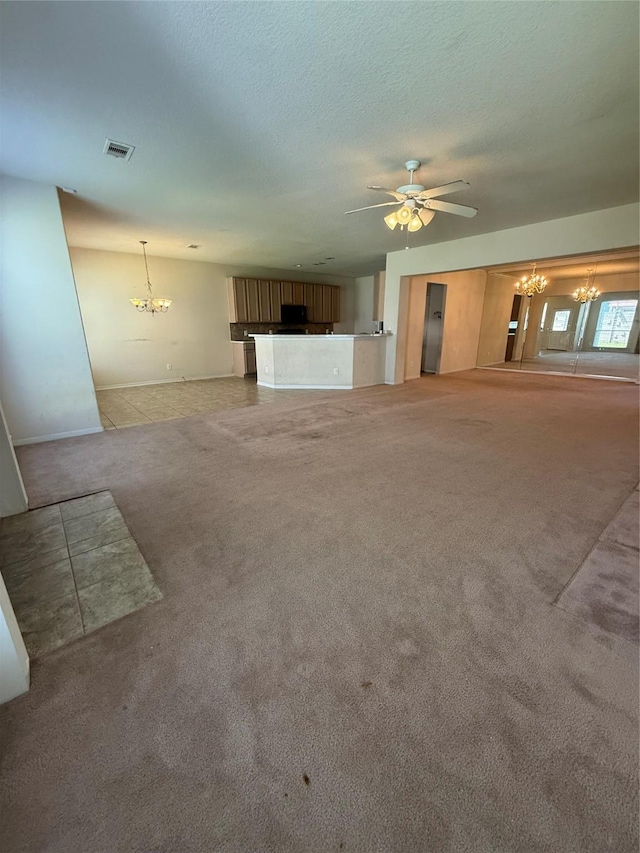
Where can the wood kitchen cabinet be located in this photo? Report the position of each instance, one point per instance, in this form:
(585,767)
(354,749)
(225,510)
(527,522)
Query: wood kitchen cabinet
(276,300)
(310,300)
(244,358)
(265,305)
(237,300)
(254,300)
(252,291)
(335,304)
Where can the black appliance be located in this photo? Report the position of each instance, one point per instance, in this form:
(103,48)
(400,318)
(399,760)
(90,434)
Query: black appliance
(290,332)
(293,313)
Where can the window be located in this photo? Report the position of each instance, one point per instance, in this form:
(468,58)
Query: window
(614,323)
(561,321)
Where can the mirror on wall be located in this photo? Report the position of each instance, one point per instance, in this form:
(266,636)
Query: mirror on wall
(555,331)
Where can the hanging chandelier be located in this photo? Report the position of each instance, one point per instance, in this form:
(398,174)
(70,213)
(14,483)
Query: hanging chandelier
(587,292)
(531,284)
(150,303)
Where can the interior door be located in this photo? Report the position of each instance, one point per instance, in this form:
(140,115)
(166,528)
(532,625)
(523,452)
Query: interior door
(561,320)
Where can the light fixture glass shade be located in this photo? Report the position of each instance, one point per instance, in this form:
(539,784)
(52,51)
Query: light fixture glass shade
(153,306)
(531,284)
(587,292)
(404,215)
(415,223)
(391,220)
(150,304)
(426,215)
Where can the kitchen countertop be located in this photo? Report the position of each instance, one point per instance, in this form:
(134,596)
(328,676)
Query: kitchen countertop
(322,337)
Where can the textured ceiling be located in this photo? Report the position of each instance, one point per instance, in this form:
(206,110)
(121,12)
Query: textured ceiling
(258,124)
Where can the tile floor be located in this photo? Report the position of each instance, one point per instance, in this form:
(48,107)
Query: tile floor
(144,404)
(70,568)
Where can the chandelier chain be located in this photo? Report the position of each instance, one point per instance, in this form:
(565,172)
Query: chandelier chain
(150,304)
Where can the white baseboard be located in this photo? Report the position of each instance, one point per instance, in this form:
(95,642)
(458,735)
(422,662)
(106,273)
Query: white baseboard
(306,387)
(559,373)
(18,442)
(162,381)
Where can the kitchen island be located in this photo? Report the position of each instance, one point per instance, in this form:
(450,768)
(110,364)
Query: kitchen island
(330,362)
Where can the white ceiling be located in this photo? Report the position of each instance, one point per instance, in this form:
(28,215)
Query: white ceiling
(257,124)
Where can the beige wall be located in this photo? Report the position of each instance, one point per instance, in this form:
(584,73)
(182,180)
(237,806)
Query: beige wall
(604,283)
(415,326)
(462,320)
(599,230)
(496,312)
(128,347)
(363,305)
(45,377)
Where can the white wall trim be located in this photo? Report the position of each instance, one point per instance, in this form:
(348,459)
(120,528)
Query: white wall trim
(165,381)
(308,387)
(560,373)
(40,438)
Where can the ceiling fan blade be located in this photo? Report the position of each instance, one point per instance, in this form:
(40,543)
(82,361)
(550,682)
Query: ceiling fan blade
(394,193)
(453,187)
(449,207)
(371,206)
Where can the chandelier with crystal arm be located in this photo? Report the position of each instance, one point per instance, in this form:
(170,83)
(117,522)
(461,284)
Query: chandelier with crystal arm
(531,284)
(587,292)
(153,305)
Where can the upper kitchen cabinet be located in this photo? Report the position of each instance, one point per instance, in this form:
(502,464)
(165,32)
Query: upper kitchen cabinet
(335,304)
(276,300)
(265,305)
(254,300)
(237,300)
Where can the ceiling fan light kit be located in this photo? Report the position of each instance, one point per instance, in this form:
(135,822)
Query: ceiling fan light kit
(417,205)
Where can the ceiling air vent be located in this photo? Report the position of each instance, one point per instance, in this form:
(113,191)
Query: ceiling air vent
(118,149)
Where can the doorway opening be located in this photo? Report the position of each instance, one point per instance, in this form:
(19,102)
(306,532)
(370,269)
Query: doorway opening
(557,332)
(433,324)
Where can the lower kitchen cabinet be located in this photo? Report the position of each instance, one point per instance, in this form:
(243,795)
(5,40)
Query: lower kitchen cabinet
(244,358)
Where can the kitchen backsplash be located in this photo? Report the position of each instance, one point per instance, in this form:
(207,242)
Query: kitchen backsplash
(238,329)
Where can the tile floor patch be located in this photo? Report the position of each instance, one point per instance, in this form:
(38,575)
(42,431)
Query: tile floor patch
(113,534)
(116,558)
(115,596)
(24,545)
(50,625)
(39,561)
(31,522)
(85,506)
(70,569)
(143,404)
(42,585)
(96,524)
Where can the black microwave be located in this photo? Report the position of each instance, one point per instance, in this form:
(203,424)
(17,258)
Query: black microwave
(293,313)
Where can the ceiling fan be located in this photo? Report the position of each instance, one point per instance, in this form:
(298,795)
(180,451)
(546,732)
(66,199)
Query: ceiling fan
(418,205)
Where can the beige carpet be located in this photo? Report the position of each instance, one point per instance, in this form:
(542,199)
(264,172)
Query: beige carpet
(357,648)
